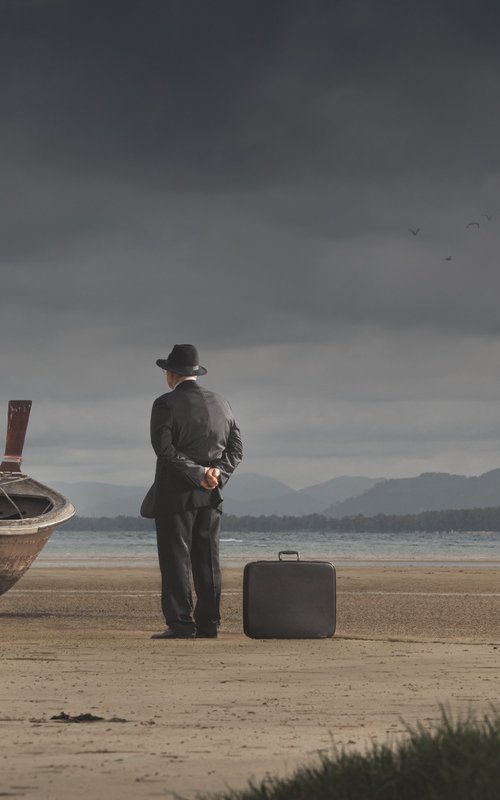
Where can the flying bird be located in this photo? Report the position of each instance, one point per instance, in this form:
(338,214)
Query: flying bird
(489,217)
(415,232)
(447,258)
(472,223)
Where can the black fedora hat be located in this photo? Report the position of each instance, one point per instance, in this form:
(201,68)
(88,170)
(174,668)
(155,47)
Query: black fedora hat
(183,360)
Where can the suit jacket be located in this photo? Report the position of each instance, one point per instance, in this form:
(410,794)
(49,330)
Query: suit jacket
(191,428)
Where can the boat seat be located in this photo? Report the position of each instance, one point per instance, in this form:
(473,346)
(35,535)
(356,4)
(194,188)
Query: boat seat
(28,505)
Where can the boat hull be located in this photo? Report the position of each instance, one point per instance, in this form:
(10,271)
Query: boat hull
(29,514)
(29,510)
(17,553)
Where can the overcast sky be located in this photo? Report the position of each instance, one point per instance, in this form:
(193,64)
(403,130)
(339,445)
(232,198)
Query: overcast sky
(242,175)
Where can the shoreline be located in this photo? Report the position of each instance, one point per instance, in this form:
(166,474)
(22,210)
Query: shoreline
(151,562)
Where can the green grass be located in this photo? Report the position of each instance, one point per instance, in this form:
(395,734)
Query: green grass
(458,760)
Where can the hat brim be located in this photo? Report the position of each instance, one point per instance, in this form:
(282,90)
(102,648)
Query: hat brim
(188,371)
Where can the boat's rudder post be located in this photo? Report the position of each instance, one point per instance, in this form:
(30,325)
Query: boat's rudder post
(19,414)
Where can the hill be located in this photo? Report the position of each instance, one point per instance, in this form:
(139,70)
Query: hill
(431,491)
(246,493)
(93,499)
(310,500)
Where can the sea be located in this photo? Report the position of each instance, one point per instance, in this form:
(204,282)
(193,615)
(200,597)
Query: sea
(138,548)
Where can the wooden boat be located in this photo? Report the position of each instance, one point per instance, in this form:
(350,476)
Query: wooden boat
(29,511)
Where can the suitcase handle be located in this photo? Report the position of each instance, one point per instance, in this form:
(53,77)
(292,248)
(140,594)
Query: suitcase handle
(288,553)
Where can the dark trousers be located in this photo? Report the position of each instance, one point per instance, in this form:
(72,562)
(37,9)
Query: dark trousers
(188,543)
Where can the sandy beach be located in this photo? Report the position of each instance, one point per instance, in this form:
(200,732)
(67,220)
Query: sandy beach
(187,717)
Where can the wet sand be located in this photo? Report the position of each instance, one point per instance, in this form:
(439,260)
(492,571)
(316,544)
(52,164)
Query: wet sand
(203,715)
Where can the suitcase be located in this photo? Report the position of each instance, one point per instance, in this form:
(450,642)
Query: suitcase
(289,599)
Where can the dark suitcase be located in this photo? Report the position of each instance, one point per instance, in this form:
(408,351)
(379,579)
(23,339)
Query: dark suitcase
(289,599)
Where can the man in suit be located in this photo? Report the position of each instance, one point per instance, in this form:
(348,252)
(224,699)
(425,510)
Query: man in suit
(198,446)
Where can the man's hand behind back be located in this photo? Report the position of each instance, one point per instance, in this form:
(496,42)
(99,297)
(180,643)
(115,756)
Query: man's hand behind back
(211,478)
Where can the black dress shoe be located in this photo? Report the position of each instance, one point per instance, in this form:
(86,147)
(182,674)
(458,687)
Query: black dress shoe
(169,634)
(206,634)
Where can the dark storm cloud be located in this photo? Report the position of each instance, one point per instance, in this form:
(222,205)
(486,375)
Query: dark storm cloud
(243,174)
(239,93)
(263,132)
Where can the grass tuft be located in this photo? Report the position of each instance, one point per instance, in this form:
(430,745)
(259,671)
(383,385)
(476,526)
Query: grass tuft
(458,760)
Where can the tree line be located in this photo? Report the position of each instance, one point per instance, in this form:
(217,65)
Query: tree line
(463,519)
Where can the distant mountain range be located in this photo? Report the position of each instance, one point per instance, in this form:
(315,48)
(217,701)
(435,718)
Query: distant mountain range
(431,491)
(255,495)
(246,493)
(103,499)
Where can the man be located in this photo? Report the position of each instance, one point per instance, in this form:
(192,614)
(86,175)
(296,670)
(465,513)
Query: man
(198,446)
